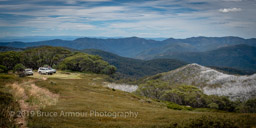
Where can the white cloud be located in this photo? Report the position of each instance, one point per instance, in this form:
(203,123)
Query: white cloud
(232,0)
(95,0)
(226,10)
(74,26)
(75,1)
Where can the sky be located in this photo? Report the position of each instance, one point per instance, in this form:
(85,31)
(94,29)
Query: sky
(126,18)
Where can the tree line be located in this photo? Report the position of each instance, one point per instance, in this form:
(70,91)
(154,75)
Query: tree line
(55,57)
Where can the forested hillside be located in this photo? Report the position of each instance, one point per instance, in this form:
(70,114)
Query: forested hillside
(55,57)
(128,67)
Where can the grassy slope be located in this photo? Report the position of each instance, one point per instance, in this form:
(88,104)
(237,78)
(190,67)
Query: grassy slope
(83,95)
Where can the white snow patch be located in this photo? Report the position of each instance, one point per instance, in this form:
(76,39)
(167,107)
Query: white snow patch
(235,87)
(213,82)
(123,87)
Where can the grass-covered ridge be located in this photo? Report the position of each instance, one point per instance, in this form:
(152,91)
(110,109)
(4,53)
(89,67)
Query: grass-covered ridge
(88,94)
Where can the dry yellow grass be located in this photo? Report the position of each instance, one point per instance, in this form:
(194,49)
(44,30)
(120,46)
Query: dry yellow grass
(59,75)
(31,98)
(84,95)
(87,93)
(43,96)
(32,94)
(17,91)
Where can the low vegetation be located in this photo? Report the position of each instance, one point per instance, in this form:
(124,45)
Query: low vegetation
(3,69)
(86,93)
(209,121)
(248,107)
(7,104)
(7,101)
(191,96)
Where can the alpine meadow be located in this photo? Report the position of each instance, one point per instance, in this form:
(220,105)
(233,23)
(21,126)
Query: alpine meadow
(127,64)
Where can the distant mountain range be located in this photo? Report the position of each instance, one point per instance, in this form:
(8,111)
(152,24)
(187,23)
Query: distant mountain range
(194,44)
(236,56)
(211,81)
(139,47)
(4,49)
(43,38)
(222,52)
(128,47)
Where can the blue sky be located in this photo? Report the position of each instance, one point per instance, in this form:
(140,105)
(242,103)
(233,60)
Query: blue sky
(125,18)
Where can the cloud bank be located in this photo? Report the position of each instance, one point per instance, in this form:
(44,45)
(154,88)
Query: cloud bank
(116,18)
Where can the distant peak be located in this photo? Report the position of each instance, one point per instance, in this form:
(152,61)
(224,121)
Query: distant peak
(133,37)
(223,37)
(193,65)
(56,40)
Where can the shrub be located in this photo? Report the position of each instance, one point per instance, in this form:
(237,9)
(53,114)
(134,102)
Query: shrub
(223,103)
(110,69)
(207,122)
(213,105)
(3,69)
(6,76)
(7,104)
(19,68)
(46,65)
(174,106)
(185,95)
(153,89)
(248,107)
(9,59)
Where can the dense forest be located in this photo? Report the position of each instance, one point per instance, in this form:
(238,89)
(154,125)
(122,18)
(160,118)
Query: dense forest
(55,57)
